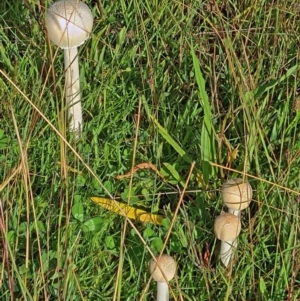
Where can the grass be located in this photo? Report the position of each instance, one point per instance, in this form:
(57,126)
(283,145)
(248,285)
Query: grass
(170,83)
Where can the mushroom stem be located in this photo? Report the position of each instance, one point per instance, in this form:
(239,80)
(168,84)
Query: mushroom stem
(73,91)
(235,212)
(162,291)
(227,250)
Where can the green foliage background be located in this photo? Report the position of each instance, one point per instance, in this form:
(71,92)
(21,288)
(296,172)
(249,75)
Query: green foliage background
(166,82)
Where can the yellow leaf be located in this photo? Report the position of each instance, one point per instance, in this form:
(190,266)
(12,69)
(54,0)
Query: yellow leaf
(200,181)
(234,154)
(129,211)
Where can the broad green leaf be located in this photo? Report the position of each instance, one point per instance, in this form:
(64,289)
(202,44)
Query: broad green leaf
(93,224)
(156,244)
(110,242)
(148,232)
(166,223)
(109,186)
(80,180)
(262,285)
(77,211)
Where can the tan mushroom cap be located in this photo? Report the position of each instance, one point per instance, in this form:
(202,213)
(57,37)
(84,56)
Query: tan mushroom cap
(69,23)
(167,264)
(237,194)
(227,226)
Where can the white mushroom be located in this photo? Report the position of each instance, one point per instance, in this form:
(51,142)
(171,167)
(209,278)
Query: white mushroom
(167,265)
(227,227)
(236,195)
(69,23)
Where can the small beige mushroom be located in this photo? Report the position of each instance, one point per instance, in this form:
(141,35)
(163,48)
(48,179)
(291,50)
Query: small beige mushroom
(236,195)
(69,23)
(168,266)
(227,228)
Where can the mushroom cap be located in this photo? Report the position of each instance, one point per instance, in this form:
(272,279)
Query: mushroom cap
(227,226)
(167,264)
(69,23)
(237,194)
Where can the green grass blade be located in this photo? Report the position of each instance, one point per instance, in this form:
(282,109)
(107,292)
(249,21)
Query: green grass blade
(207,146)
(172,142)
(273,83)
